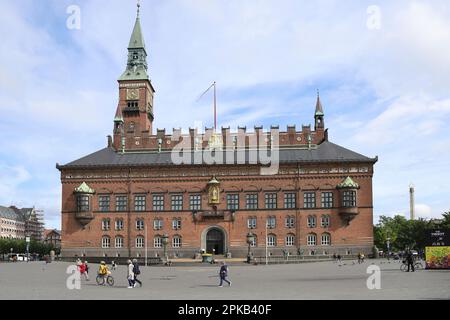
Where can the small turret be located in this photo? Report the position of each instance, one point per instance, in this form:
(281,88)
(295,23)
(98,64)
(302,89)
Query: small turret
(319,115)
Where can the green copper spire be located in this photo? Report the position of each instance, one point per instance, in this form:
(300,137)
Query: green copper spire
(137,55)
(137,40)
(319,109)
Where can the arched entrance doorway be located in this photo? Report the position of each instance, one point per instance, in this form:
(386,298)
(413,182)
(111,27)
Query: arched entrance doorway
(215,241)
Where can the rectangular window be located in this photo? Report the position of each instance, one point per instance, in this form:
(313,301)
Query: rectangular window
(103,203)
(83,203)
(251,223)
(176,224)
(158,202)
(195,202)
(349,199)
(327,199)
(177,202)
(271,222)
(251,201)
(157,224)
(121,203)
(232,201)
(139,203)
(309,199)
(290,200)
(270,200)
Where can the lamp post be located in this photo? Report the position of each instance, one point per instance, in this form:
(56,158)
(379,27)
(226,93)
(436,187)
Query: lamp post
(146,254)
(250,240)
(388,247)
(27,239)
(165,241)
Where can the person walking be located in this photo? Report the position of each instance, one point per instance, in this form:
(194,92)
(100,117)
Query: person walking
(410,260)
(339,259)
(359,258)
(136,272)
(223,273)
(83,270)
(113,265)
(130,274)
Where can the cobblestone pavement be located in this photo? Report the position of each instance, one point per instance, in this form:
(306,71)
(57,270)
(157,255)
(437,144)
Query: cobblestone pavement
(319,280)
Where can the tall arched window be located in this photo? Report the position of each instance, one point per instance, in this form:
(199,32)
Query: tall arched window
(157,242)
(290,240)
(176,241)
(140,242)
(311,239)
(106,242)
(271,240)
(326,239)
(118,242)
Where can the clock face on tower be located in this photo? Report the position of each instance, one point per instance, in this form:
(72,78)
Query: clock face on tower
(132,94)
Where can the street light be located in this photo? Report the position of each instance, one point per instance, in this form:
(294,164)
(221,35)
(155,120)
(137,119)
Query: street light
(27,239)
(165,241)
(388,243)
(250,240)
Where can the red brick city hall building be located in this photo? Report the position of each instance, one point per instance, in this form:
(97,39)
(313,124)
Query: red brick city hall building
(209,191)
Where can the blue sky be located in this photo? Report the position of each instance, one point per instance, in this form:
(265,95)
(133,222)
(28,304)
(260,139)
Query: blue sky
(384,86)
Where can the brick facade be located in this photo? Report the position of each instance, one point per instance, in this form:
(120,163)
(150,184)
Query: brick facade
(137,163)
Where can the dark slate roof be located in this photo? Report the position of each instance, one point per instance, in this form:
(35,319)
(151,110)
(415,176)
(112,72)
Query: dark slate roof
(9,213)
(325,152)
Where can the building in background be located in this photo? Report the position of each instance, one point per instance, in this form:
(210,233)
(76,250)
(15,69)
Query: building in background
(12,225)
(34,222)
(52,236)
(132,195)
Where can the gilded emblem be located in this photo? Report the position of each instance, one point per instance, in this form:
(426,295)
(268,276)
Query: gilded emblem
(213,191)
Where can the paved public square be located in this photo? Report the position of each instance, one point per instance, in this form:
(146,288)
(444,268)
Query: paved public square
(318,280)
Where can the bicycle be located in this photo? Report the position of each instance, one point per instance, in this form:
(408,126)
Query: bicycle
(404,266)
(101,280)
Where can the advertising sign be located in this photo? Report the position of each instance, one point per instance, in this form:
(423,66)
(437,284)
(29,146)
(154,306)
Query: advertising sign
(437,257)
(437,250)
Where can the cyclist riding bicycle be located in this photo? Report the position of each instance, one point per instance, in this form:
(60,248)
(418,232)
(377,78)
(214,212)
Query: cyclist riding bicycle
(103,269)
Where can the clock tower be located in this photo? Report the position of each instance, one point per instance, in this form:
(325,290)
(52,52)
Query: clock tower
(134,115)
